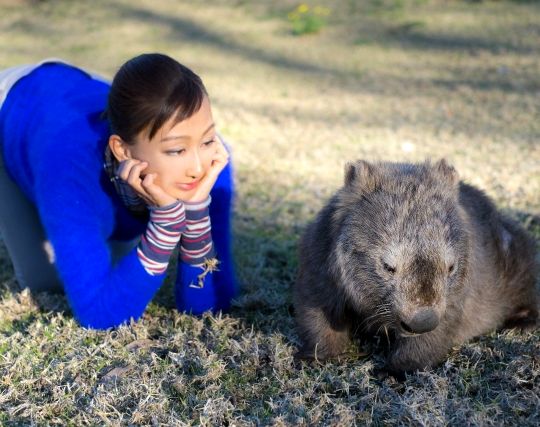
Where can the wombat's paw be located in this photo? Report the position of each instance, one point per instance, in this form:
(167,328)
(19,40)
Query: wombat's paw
(383,374)
(524,319)
(304,355)
(310,356)
(398,370)
(398,364)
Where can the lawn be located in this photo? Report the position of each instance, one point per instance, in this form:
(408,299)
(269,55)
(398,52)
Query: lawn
(382,80)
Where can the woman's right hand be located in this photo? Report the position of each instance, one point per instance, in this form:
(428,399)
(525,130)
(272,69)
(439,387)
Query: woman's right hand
(220,159)
(130,171)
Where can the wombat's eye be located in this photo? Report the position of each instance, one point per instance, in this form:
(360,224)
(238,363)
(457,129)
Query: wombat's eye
(451,269)
(389,268)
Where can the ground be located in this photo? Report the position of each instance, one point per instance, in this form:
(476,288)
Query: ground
(382,80)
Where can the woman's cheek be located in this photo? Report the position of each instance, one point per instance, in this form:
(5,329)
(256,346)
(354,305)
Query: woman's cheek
(159,181)
(208,159)
(154,166)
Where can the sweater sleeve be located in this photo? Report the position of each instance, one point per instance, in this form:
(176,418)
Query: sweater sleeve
(78,219)
(194,282)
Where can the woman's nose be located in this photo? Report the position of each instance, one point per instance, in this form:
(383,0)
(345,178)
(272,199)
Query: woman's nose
(194,169)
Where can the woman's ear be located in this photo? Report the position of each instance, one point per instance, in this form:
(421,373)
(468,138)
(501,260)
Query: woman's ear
(120,150)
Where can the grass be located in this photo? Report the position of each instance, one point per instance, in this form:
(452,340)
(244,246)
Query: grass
(382,80)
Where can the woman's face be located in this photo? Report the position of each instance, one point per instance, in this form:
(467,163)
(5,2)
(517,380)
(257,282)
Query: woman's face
(180,154)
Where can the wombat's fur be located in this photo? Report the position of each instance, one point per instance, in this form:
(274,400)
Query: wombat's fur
(410,251)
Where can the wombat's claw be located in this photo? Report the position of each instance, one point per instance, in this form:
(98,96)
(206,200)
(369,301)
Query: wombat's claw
(306,356)
(303,358)
(352,355)
(525,320)
(380,374)
(383,374)
(312,355)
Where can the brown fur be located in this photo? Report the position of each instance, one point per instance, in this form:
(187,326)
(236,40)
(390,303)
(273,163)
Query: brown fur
(410,250)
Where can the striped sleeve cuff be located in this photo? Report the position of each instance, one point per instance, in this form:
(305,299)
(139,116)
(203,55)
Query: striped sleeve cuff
(196,245)
(161,237)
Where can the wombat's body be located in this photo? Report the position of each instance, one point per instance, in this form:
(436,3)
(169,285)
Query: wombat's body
(410,251)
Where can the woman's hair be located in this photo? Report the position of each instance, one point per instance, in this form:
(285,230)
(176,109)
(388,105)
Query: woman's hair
(147,91)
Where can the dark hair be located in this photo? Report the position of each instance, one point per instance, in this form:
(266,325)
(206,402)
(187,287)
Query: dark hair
(147,91)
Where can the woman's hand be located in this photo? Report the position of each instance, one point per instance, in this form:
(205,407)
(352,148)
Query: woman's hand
(130,171)
(219,161)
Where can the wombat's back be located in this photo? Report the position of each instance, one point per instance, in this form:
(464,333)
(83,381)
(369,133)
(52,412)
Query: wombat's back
(501,284)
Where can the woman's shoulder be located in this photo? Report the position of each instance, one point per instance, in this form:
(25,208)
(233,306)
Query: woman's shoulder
(10,76)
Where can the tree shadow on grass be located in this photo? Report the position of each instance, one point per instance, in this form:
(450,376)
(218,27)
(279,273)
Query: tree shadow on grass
(266,270)
(410,38)
(405,36)
(188,30)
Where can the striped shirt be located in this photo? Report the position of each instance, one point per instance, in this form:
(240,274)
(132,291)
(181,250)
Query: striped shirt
(196,244)
(167,225)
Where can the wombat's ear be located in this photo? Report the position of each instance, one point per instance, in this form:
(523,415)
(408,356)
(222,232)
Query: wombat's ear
(360,173)
(447,172)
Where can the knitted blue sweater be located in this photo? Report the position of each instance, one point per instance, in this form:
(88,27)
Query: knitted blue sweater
(53,140)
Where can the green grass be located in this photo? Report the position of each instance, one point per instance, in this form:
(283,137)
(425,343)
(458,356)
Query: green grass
(393,80)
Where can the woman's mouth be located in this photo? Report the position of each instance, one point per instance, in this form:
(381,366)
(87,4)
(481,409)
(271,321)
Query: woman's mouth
(188,186)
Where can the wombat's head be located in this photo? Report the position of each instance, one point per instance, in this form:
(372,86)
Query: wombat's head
(402,243)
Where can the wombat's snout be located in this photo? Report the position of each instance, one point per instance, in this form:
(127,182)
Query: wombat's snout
(423,320)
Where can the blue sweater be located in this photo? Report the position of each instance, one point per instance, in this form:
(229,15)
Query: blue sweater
(53,139)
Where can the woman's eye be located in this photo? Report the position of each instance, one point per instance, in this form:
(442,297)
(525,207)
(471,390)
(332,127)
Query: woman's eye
(175,152)
(208,143)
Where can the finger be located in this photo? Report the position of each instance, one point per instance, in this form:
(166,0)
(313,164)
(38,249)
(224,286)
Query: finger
(211,176)
(158,196)
(133,170)
(219,161)
(220,152)
(125,167)
(150,186)
(134,176)
(221,148)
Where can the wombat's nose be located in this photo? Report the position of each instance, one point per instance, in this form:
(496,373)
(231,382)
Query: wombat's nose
(424,320)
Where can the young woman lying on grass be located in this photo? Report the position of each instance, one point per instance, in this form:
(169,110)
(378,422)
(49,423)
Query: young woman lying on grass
(88,169)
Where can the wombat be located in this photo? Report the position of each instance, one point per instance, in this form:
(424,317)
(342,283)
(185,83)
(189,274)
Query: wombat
(410,251)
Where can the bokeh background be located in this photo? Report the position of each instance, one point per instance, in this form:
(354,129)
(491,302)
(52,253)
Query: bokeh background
(298,89)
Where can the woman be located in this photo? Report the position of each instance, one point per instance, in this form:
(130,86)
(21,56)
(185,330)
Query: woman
(89,166)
